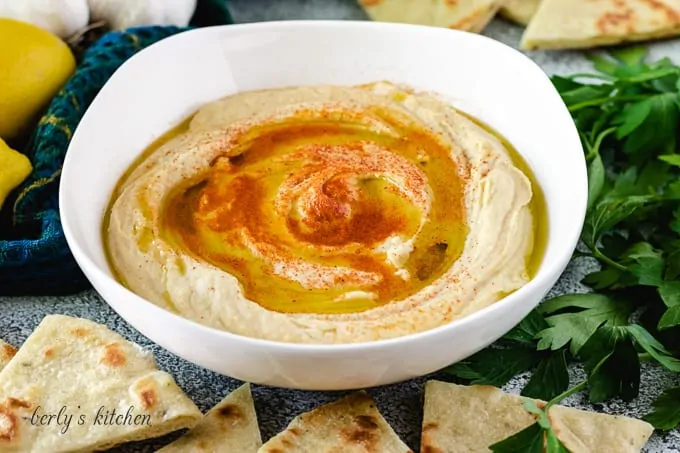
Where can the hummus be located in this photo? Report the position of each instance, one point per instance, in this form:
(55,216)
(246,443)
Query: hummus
(324,214)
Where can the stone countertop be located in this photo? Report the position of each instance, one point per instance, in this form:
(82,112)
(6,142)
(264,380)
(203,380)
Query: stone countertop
(400,403)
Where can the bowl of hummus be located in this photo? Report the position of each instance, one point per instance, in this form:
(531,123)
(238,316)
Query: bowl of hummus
(324,205)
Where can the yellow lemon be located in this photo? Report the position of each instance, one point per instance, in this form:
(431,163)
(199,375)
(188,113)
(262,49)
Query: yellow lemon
(14,169)
(34,65)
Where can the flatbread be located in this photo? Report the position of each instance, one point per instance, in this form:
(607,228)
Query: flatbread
(585,432)
(519,11)
(7,351)
(468,15)
(85,371)
(578,24)
(467,419)
(352,424)
(229,427)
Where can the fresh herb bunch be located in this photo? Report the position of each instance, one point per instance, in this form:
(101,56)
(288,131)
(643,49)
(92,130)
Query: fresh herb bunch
(627,112)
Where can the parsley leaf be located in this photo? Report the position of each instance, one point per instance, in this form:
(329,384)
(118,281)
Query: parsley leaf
(596,174)
(549,379)
(603,65)
(650,124)
(608,277)
(666,413)
(670,295)
(529,440)
(536,438)
(631,56)
(673,264)
(673,159)
(553,444)
(517,354)
(609,212)
(525,332)
(612,364)
(645,263)
(494,366)
(585,95)
(670,318)
(575,327)
(655,349)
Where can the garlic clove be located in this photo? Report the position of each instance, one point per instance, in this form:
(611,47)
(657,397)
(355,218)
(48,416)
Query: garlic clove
(121,14)
(60,17)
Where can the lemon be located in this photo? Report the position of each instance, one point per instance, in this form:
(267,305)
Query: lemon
(34,65)
(14,169)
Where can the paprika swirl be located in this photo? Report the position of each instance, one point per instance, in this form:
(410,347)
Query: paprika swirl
(300,214)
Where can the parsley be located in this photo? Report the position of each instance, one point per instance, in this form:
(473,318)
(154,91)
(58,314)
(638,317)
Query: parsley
(611,360)
(627,112)
(575,327)
(517,353)
(666,413)
(538,437)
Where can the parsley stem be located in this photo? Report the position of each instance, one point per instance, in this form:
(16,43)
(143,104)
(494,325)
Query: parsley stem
(645,356)
(604,100)
(567,393)
(585,75)
(594,149)
(604,258)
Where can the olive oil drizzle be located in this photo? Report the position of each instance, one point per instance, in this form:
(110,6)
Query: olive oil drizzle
(251,198)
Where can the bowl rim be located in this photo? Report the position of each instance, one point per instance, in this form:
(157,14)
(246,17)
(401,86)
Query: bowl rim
(545,273)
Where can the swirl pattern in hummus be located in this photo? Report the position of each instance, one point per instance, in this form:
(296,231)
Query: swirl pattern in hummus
(324,214)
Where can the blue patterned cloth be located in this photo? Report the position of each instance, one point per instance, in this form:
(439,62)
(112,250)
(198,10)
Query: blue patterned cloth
(36,259)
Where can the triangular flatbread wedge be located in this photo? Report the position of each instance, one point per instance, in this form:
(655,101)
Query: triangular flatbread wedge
(519,11)
(349,425)
(468,419)
(586,432)
(468,15)
(229,427)
(82,372)
(578,24)
(7,351)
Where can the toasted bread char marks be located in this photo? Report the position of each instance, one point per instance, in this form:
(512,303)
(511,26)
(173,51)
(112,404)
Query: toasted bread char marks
(101,374)
(351,424)
(9,424)
(7,352)
(8,420)
(229,427)
(229,412)
(572,24)
(113,355)
(468,419)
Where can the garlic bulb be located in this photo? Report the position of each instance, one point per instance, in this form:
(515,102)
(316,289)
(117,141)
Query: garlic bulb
(120,14)
(60,17)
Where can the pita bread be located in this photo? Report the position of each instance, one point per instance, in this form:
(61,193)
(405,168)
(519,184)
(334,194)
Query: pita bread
(519,11)
(229,427)
(576,24)
(468,15)
(82,369)
(467,419)
(349,425)
(7,351)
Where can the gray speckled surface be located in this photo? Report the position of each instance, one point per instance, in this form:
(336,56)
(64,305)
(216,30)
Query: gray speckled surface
(400,403)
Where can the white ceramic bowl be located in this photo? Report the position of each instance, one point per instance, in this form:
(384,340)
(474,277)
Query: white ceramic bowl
(171,79)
